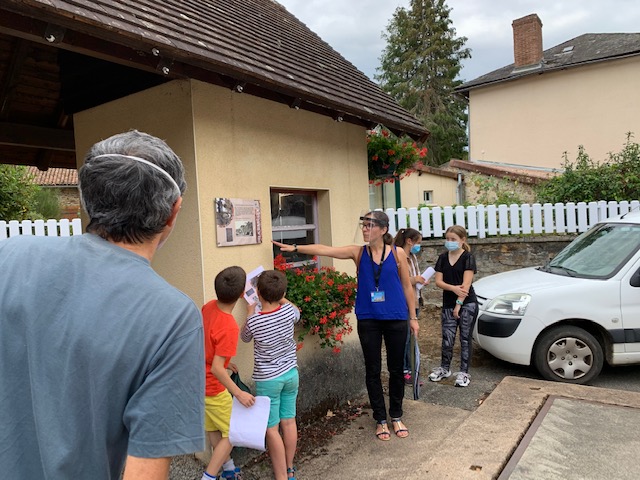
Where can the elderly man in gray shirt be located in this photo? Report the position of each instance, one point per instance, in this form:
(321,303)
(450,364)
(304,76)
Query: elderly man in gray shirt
(101,360)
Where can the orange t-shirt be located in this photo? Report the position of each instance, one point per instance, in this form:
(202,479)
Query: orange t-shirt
(220,338)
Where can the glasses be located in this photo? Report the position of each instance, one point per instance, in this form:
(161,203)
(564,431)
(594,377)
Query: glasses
(367,225)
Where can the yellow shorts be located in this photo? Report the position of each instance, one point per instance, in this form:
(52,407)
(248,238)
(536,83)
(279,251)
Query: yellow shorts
(217,413)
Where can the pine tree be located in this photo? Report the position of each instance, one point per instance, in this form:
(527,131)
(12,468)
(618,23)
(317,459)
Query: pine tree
(419,67)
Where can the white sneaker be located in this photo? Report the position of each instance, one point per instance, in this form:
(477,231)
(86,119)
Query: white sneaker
(438,374)
(463,379)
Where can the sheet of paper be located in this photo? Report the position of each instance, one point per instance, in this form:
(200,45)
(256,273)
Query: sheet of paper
(248,426)
(427,274)
(250,292)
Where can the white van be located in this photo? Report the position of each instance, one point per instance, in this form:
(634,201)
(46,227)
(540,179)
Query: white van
(571,315)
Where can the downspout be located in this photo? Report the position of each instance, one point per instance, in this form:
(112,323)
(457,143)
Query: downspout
(460,190)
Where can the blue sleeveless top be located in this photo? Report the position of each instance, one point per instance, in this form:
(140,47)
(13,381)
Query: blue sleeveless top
(395,305)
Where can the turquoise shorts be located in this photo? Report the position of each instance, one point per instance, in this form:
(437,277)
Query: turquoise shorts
(282,391)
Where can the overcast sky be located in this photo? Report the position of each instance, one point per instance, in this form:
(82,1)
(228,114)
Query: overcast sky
(354,27)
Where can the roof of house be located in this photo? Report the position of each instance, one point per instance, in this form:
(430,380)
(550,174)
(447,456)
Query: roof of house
(55,177)
(582,50)
(520,173)
(251,46)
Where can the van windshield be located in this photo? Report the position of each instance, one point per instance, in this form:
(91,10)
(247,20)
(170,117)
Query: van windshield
(598,253)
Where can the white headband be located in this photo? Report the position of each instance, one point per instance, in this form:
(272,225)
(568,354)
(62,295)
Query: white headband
(142,160)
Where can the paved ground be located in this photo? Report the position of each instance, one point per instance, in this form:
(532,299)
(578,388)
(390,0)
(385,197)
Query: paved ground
(473,432)
(585,433)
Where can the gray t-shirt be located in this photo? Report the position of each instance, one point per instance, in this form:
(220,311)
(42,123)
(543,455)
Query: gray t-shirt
(99,358)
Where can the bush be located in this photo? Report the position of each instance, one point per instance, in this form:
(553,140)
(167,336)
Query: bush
(47,203)
(617,178)
(17,193)
(325,297)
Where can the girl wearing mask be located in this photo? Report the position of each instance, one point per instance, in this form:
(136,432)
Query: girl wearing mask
(409,240)
(454,274)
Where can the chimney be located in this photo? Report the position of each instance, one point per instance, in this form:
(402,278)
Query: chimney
(527,41)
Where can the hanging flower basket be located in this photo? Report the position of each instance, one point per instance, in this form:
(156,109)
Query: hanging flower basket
(391,158)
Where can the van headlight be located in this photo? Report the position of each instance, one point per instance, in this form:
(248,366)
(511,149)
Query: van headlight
(509,304)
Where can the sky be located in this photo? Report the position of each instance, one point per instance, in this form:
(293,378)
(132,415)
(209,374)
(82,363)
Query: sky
(354,27)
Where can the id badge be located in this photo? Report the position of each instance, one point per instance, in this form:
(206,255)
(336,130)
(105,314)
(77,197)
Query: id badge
(377,296)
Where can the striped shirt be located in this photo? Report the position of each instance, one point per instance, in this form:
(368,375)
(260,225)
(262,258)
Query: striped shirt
(274,348)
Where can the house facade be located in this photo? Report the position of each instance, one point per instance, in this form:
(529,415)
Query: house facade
(257,106)
(581,92)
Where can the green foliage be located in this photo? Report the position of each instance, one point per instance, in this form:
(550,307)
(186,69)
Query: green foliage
(17,193)
(391,158)
(419,67)
(496,191)
(47,203)
(325,297)
(617,178)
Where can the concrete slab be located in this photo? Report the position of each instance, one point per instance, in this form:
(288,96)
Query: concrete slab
(481,446)
(577,439)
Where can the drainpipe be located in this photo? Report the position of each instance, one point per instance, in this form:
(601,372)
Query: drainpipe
(398,196)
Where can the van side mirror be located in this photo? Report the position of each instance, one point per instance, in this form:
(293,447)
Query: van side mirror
(635,279)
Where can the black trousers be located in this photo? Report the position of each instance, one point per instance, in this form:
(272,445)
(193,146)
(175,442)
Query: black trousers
(371,334)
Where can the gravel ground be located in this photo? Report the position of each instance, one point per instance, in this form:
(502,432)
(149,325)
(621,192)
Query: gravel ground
(486,373)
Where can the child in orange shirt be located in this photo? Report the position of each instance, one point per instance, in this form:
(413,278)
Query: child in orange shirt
(220,344)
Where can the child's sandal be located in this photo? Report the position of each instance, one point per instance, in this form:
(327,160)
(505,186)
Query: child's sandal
(384,433)
(292,471)
(399,428)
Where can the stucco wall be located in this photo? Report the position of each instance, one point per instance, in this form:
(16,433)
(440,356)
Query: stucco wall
(496,255)
(532,121)
(413,186)
(238,146)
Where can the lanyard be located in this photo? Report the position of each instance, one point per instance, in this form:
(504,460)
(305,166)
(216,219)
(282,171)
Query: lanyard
(377,272)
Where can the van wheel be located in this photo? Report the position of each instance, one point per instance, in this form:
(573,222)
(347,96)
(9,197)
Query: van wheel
(568,354)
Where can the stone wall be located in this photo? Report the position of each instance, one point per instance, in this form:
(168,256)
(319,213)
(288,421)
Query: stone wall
(495,255)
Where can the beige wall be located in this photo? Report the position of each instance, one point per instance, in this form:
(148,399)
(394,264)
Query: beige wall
(238,146)
(413,186)
(532,121)
(411,191)
(165,112)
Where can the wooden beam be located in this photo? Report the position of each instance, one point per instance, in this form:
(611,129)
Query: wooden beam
(10,81)
(37,137)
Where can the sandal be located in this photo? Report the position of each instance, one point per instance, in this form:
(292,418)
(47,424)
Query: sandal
(399,428)
(292,471)
(384,433)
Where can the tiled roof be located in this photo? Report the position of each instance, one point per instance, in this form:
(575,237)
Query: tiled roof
(521,173)
(255,42)
(58,177)
(582,50)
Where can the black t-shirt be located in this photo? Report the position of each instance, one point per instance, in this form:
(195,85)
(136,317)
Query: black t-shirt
(454,275)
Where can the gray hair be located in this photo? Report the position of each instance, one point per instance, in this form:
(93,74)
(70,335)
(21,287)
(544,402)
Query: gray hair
(127,200)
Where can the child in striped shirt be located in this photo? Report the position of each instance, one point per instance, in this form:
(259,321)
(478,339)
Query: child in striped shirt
(275,369)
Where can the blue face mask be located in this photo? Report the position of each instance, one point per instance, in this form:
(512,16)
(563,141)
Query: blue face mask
(451,246)
(415,249)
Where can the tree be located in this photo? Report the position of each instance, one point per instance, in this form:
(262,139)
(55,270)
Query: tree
(18,194)
(419,67)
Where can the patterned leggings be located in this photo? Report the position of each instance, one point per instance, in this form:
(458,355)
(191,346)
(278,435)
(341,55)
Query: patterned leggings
(450,324)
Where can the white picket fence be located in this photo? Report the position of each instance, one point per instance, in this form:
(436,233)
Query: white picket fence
(492,220)
(479,220)
(41,228)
